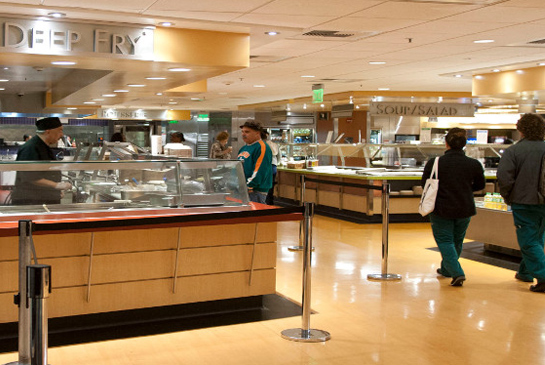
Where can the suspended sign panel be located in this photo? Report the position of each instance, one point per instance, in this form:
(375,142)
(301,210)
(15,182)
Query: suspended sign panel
(422,109)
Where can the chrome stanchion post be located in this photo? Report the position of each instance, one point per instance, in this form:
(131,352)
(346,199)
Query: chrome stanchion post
(25,256)
(301,228)
(38,289)
(384,275)
(306,334)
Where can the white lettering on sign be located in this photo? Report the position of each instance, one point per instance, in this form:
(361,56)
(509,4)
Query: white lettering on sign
(40,37)
(422,109)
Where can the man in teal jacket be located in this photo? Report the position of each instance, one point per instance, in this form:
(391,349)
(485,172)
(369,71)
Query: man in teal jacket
(257,160)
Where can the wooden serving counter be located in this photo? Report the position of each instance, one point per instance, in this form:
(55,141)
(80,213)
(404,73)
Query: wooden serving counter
(113,261)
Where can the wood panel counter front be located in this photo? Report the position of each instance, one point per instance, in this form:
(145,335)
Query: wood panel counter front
(112,261)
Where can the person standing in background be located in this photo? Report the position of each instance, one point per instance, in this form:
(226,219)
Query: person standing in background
(276,159)
(459,177)
(177,137)
(256,156)
(219,149)
(40,187)
(518,179)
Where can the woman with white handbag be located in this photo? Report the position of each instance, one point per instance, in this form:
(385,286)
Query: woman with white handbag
(459,176)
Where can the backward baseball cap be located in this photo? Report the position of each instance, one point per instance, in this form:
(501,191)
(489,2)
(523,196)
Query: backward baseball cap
(252,124)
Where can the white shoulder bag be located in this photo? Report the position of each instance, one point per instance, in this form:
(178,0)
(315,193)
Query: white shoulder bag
(429,193)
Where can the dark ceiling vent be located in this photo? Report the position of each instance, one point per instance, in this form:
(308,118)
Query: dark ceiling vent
(328,34)
(539,41)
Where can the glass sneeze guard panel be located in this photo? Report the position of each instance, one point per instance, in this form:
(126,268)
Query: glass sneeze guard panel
(71,186)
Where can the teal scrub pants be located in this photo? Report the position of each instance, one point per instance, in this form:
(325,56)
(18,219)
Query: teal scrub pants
(530,225)
(449,235)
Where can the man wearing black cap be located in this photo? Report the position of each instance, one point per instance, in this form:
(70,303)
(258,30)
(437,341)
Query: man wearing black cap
(257,158)
(40,187)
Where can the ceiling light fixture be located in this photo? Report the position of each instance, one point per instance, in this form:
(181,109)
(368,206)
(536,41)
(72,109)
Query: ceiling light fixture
(166,24)
(384,88)
(357,106)
(109,95)
(519,71)
(479,77)
(72,108)
(484,41)
(156,78)
(136,85)
(63,63)
(496,70)
(308,76)
(4,80)
(2,88)
(259,85)
(377,62)
(272,33)
(458,75)
(322,105)
(121,91)
(98,99)
(159,94)
(89,102)
(179,69)
(56,14)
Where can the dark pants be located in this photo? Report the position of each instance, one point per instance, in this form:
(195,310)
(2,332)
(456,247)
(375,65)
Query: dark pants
(530,226)
(449,235)
(270,194)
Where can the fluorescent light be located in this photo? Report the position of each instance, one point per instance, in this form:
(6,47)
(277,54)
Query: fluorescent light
(63,63)
(136,85)
(259,85)
(377,62)
(166,24)
(109,95)
(89,102)
(496,70)
(539,64)
(2,88)
(384,88)
(179,69)
(484,41)
(4,80)
(156,78)
(458,75)
(98,99)
(57,14)
(159,94)
(121,91)
(308,76)
(72,108)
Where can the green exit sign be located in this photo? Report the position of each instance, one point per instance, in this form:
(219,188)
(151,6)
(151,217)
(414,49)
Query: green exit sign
(203,118)
(317,93)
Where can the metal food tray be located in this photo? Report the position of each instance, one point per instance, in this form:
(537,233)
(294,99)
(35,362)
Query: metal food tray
(203,199)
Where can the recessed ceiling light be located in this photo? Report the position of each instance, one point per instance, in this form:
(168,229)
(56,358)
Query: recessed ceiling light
(179,69)
(519,71)
(136,85)
(259,85)
(377,62)
(308,76)
(2,88)
(63,63)
(272,33)
(484,41)
(496,70)
(109,95)
(458,75)
(72,108)
(159,94)
(98,99)
(384,88)
(156,78)
(166,24)
(322,105)
(56,14)
(89,102)
(479,77)
(121,91)
(6,68)
(357,106)
(4,80)
(539,64)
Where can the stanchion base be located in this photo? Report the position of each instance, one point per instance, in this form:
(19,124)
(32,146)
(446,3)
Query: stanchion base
(301,335)
(385,277)
(298,248)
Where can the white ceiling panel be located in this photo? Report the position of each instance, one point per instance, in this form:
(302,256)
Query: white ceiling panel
(121,5)
(455,28)
(316,7)
(511,15)
(196,15)
(302,21)
(211,6)
(373,25)
(407,10)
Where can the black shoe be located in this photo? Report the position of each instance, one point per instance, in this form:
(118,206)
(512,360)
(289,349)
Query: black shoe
(538,288)
(441,273)
(523,279)
(459,281)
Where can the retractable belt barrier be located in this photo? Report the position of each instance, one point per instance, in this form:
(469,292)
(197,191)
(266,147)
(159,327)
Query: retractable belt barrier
(385,190)
(34,289)
(306,334)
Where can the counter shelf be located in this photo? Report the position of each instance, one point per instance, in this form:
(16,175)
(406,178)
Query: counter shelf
(107,185)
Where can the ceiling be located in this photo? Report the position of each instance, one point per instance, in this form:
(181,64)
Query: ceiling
(427,46)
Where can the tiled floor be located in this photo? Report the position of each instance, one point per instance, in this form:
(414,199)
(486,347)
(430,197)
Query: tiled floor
(492,319)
